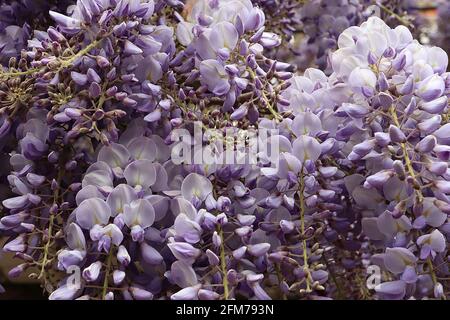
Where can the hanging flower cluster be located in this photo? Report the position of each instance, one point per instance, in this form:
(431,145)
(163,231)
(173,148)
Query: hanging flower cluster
(159,150)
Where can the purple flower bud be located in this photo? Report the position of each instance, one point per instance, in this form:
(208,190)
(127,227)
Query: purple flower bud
(239,253)
(55,35)
(111,75)
(131,49)
(392,289)
(16,202)
(64,292)
(431,88)
(372,59)
(438,291)
(110,92)
(92,75)
(438,168)
(73,113)
(184,251)
(287,226)
(53,157)
(430,125)
(216,239)
(269,40)
(137,233)
(71,165)
(246,220)
(28,227)
(152,116)
(389,52)
(442,152)
(65,21)
(204,294)
(16,245)
(253,281)
(34,179)
(128,102)
(213,259)
(364,148)
(408,86)
(13,220)
(442,185)
(399,168)
(5,127)
(243,47)
(399,62)
(243,231)
(411,106)
(189,293)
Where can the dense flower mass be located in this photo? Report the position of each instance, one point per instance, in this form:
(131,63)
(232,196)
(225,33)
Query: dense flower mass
(224,149)
(441,37)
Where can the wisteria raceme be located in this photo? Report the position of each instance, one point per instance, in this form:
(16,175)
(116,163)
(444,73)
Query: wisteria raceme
(310,29)
(399,90)
(16,28)
(165,150)
(441,38)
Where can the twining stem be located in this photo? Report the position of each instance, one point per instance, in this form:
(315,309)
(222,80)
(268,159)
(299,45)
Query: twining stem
(433,274)
(412,173)
(301,194)
(108,267)
(64,63)
(340,294)
(223,265)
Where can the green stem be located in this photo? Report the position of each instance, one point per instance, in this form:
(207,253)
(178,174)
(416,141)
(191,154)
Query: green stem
(412,173)
(269,105)
(301,194)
